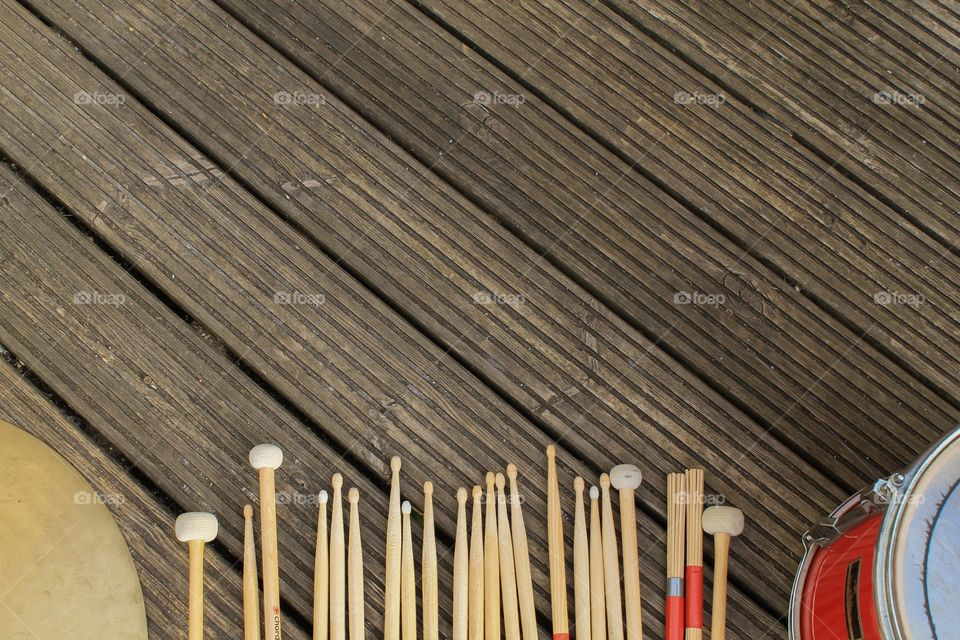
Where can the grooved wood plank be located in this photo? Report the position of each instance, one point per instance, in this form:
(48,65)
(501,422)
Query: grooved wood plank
(626,399)
(779,202)
(217,253)
(847,85)
(767,346)
(146,523)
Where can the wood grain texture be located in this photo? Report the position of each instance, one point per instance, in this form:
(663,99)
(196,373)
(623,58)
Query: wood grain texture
(594,379)
(618,234)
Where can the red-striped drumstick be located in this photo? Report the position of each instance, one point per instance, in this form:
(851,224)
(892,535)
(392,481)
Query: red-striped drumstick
(555,544)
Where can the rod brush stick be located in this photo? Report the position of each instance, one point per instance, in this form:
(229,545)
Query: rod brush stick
(693,576)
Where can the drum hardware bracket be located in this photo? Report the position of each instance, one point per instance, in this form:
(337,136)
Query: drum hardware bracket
(875,498)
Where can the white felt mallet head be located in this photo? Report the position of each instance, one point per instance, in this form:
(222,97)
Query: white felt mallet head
(723,520)
(266,456)
(626,476)
(196,525)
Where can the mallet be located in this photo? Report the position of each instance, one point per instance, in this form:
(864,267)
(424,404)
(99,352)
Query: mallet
(355,570)
(266,458)
(626,478)
(321,572)
(491,567)
(461,579)
(338,564)
(598,607)
(408,579)
(475,597)
(391,580)
(722,523)
(555,548)
(428,564)
(693,576)
(521,560)
(251,586)
(581,566)
(196,529)
(611,564)
(508,576)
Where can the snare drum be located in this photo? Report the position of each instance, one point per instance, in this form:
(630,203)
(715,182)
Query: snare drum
(885,565)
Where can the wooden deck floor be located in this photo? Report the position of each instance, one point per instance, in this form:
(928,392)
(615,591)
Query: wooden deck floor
(722,235)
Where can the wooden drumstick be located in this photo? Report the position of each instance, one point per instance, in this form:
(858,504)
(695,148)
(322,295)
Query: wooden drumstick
(626,478)
(521,560)
(475,593)
(428,564)
(461,579)
(693,575)
(338,564)
(321,572)
(408,580)
(722,523)
(611,564)
(355,570)
(196,529)
(508,576)
(598,607)
(251,587)
(391,579)
(581,566)
(266,458)
(491,567)
(555,544)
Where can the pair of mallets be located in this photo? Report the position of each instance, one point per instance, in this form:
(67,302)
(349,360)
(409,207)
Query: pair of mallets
(491,566)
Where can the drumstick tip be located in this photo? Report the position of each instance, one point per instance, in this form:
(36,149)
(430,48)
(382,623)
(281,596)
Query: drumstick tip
(322,497)
(428,489)
(578,484)
(395,464)
(336,481)
(604,481)
(500,481)
(405,507)
(512,471)
(353,496)
(594,493)
(477,492)
(248,511)
(462,495)
(551,451)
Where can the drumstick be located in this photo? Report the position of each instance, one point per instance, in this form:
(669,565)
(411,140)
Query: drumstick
(555,545)
(626,478)
(338,565)
(521,560)
(355,570)
(391,579)
(408,580)
(321,572)
(266,458)
(461,580)
(693,577)
(428,564)
(508,576)
(598,607)
(475,597)
(676,499)
(251,588)
(581,566)
(722,523)
(611,564)
(491,567)
(196,529)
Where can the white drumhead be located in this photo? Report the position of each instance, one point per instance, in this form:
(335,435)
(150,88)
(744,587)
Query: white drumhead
(918,558)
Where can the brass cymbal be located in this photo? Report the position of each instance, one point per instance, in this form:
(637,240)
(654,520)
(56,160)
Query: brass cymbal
(65,571)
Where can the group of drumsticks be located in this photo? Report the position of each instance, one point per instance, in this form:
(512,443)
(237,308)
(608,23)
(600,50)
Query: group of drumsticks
(491,566)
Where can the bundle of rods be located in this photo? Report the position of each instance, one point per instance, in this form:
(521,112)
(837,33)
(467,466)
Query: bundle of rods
(492,583)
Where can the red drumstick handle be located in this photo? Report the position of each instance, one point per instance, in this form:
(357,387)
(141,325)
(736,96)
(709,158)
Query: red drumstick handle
(693,582)
(674,609)
(561,636)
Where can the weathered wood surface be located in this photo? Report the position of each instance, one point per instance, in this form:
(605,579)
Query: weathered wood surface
(872,85)
(589,378)
(801,373)
(782,204)
(101,178)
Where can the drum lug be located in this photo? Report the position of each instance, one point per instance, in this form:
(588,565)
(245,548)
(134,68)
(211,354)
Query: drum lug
(870,500)
(885,491)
